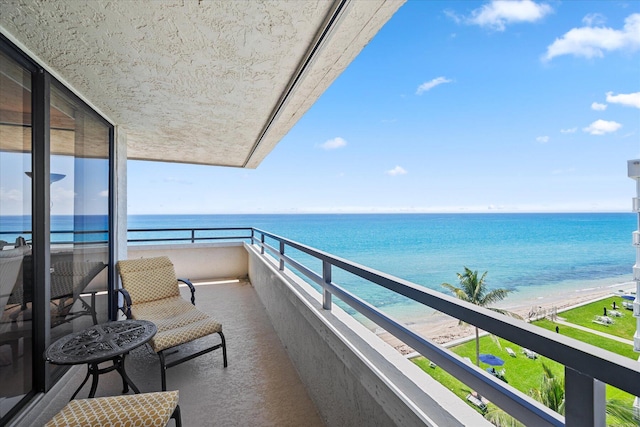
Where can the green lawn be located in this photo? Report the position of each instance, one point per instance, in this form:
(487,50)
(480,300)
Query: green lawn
(523,373)
(624,327)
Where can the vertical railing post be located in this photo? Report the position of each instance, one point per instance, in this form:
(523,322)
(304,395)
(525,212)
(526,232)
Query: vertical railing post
(584,400)
(193,235)
(326,277)
(281,256)
(262,244)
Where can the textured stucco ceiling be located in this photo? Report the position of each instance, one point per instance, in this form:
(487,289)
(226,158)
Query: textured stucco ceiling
(206,82)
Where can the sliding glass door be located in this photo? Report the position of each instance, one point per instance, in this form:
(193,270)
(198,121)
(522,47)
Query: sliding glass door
(79,208)
(55,239)
(16,355)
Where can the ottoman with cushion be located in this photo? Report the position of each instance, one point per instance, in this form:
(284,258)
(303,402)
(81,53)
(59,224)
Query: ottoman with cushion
(146,409)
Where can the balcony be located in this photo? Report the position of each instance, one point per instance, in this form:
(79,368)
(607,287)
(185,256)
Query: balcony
(296,358)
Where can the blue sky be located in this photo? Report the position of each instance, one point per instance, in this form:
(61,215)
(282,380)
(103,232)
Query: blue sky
(515,106)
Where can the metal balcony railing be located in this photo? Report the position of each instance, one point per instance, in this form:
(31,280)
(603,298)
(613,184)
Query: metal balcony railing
(587,368)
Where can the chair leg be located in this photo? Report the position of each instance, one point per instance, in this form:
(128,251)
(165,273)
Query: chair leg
(163,370)
(224,349)
(176,416)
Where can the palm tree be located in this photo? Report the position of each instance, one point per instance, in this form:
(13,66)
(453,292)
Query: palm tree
(551,391)
(474,290)
(551,394)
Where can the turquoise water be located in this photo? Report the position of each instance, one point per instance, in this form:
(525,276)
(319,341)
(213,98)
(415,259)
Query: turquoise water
(534,255)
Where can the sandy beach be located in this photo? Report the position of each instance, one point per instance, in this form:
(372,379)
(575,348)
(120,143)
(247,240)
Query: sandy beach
(443,329)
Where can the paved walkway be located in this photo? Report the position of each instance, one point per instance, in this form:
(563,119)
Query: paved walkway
(593,331)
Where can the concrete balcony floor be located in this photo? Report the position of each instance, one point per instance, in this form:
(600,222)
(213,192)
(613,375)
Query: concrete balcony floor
(260,387)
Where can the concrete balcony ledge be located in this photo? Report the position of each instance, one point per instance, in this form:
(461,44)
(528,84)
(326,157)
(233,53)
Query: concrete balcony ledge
(353,377)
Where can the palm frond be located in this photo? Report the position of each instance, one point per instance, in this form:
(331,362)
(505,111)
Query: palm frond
(623,412)
(506,312)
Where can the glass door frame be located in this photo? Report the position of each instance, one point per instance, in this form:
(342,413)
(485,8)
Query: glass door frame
(41,80)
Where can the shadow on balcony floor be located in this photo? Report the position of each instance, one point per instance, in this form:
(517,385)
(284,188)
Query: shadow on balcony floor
(260,387)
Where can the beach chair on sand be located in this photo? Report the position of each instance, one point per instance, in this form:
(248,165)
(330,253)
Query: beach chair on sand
(510,352)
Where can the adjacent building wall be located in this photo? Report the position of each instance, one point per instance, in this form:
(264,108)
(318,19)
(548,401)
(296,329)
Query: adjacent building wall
(353,377)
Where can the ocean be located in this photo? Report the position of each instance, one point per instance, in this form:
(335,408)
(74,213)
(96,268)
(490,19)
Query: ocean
(536,256)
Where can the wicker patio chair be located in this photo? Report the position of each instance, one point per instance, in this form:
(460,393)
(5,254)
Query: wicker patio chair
(146,409)
(150,290)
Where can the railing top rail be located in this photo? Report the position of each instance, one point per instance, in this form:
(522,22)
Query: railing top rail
(135,230)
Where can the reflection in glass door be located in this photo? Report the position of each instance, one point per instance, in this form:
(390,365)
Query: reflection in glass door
(15,234)
(79,189)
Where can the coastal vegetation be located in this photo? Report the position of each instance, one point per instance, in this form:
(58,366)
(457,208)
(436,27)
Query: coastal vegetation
(543,378)
(473,289)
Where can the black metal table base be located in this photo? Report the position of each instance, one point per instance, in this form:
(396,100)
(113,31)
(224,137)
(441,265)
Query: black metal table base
(94,371)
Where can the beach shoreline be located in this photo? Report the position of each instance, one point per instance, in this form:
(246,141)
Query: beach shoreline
(443,329)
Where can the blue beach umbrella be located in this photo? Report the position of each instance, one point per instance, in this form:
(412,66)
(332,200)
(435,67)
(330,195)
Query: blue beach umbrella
(629,297)
(492,360)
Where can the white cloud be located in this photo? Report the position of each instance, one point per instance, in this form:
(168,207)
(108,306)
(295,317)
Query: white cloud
(598,107)
(601,127)
(398,170)
(454,16)
(592,42)
(334,143)
(594,19)
(431,84)
(497,14)
(542,139)
(570,130)
(10,195)
(628,99)
(104,193)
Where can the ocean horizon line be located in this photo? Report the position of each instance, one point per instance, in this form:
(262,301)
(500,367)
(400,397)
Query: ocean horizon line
(396,213)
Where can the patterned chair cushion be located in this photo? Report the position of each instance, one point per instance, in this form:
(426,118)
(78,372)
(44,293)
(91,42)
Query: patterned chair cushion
(147,409)
(149,279)
(178,321)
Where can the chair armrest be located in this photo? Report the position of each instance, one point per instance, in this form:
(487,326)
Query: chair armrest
(193,289)
(126,308)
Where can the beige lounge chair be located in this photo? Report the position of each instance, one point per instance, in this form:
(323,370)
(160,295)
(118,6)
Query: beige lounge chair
(150,290)
(146,409)
(68,282)
(510,352)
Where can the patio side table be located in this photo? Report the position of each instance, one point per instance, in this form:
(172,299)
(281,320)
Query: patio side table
(101,343)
